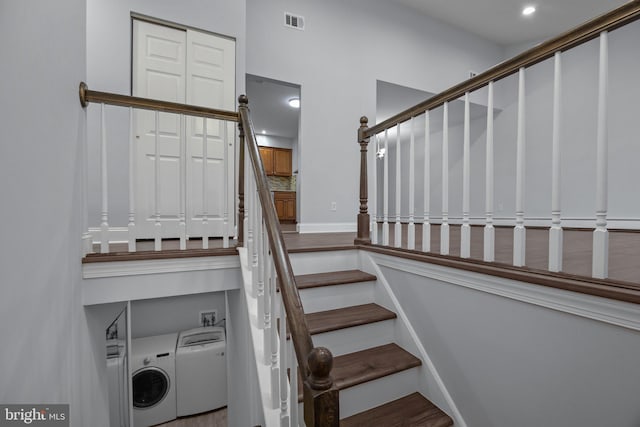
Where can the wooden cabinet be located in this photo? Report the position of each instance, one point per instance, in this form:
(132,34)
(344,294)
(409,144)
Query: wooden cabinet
(285,202)
(276,161)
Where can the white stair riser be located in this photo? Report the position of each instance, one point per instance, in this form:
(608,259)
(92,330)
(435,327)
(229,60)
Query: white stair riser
(320,262)
(368,395)
(339,296)
(358,338)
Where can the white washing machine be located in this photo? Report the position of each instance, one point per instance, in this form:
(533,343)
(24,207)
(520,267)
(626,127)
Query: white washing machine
(153,364)
(201,370)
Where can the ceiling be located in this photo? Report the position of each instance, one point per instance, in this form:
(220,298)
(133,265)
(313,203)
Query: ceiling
(270,111)
(501,21)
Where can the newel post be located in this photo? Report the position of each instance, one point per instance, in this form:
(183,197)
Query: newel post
(321,397)
(363,236)
(243,101)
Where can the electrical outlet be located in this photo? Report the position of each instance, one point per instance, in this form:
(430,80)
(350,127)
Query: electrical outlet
(207,317)
(333,206)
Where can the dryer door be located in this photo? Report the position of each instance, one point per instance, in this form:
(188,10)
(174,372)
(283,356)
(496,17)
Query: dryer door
(150,386)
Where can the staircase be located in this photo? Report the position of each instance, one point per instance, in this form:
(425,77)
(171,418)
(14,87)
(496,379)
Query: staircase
(377,379)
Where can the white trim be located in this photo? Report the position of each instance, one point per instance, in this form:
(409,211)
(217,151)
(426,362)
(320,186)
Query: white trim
(332,227)
(131,268)
(605,310)
(116,234)
(612,223)
(433,374)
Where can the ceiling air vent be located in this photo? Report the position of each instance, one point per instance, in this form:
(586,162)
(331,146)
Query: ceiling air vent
(293,21)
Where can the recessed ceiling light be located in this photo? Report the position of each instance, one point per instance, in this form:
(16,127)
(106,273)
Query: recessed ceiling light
(528,10)
(294,102)
(264,132)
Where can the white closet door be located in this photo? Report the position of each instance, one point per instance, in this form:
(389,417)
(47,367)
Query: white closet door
(210,83)
(195,68)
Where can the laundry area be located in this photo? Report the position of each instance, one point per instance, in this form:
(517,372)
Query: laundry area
(177,356)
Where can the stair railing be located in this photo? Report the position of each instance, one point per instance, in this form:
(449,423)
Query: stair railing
(270,267)
(202,122)
(389,132)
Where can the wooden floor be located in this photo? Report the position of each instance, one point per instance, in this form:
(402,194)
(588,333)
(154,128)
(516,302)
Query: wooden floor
(216,418)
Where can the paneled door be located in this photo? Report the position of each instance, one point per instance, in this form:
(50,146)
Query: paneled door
(174,182)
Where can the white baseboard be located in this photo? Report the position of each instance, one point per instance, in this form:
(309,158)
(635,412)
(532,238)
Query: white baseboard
(116,235)
(331,227)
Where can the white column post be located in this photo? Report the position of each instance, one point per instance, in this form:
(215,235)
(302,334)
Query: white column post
(600,262)
(519,232)
(104,217)
(555,232)
(426,226)
(205,196)
(444,227)
(131,226)
(385,191)
(465,231)
(411,228)
(158,225)
(489,231)
(397,230)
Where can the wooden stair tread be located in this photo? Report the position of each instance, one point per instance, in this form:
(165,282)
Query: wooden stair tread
(410,411)
(341,318)
(306,281)
(366,365)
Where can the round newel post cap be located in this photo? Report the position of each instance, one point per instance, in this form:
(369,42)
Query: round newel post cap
(364,121)
(320,362)
(82,90)
(243,99)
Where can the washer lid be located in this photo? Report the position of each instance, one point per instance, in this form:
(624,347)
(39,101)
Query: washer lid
(199,336)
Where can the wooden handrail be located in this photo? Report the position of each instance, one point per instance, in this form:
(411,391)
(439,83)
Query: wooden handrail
(623,15)
(87,96)
(320,394)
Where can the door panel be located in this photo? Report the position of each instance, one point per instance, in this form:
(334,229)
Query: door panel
(190,67)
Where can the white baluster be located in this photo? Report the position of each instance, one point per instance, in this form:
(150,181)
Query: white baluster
(465,231)
(260,270)
(385,190)
(87,238)
(205,186)
(158,225)
(131,226)
(284,380)
(397,230)
(600,261)
(411,228)
(293,381)
(519,232)
(374,194)
(489,231)
(225,221)
(444,227)
(555,232)
(250,209)
(104,218)
(256,215)
(268,295)
(273,345)
(182,225)
(426,225)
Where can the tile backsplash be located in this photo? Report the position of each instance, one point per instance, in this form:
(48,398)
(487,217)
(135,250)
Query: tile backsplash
(282,183)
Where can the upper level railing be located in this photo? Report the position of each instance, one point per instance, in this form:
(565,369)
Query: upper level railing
(388,132)
(273,284)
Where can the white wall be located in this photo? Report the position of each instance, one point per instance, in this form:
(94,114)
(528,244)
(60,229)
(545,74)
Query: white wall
(346,46)
(109,69)
(512,363)
(159,316)
(44,334)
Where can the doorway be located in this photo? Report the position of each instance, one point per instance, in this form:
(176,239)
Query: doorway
(275,110)
(184,171)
